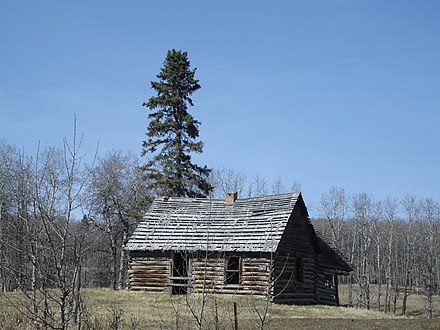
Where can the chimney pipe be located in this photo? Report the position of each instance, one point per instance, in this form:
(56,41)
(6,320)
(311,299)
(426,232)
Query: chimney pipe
(231,197)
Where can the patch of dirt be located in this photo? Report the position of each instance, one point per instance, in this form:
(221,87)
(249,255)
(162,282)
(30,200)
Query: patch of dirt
(348,324)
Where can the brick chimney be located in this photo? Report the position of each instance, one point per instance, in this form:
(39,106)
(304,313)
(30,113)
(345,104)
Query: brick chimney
(231,197)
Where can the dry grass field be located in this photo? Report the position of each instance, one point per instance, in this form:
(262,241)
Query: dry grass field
(107,309)
(415,305)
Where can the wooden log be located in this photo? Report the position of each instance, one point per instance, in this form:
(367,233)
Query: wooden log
(148,288)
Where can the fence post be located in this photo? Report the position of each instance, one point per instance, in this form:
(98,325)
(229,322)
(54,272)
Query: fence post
(235,316)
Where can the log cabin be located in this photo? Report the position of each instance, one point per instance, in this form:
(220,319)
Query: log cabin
(262,246)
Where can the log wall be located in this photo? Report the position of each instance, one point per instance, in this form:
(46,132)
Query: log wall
(286,288)
(327,287)
(262,273)
(149,272)
(209,274)
(152,273)
(298,241)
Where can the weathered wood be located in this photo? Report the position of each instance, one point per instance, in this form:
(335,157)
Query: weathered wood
(255,224)
(280,253)
(148,273)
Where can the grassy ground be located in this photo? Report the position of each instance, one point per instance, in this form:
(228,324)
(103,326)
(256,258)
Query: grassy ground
(107,309)
(415,305)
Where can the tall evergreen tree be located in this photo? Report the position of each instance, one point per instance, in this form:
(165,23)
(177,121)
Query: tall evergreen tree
(172,132)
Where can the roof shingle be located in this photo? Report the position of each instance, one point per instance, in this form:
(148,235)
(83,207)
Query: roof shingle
(201,224)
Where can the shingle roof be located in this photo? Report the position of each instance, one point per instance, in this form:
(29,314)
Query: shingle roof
(331,256)
(201,224)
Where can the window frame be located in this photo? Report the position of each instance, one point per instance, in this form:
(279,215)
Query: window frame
(232,276)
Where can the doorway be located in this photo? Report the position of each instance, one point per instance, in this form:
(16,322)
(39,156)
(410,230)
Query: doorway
(179,278)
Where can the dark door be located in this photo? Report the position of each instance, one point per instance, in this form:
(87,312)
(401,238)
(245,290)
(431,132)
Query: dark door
(180,279)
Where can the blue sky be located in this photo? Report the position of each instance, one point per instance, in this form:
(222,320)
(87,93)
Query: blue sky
(325,93)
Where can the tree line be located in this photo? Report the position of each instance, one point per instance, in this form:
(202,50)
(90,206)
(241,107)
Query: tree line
(64,224)
(393,246)
(55,208)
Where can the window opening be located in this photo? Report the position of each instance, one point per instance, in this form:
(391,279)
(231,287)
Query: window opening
(329,281)
(180,274)
(232,271)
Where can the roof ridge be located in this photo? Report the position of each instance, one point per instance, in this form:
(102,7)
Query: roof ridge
(164,198)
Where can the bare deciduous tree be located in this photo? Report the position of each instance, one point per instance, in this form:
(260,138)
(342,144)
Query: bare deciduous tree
(116,190)
(428,252)
(334,208)
(227,180)
(257,187)
(365,213)
(390,246)
(278,187)
(411,208)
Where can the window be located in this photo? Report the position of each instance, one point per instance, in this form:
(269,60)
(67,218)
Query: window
(179,278)
(232,270)
(299,270)
(330,281)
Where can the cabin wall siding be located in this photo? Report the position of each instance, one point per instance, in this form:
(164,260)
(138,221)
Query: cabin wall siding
(262,274)
(327,287)
(149,272)
(297,241)
(209,274)
(268,267)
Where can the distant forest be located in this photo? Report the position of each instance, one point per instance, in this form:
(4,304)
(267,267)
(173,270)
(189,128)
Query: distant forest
(64,224)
